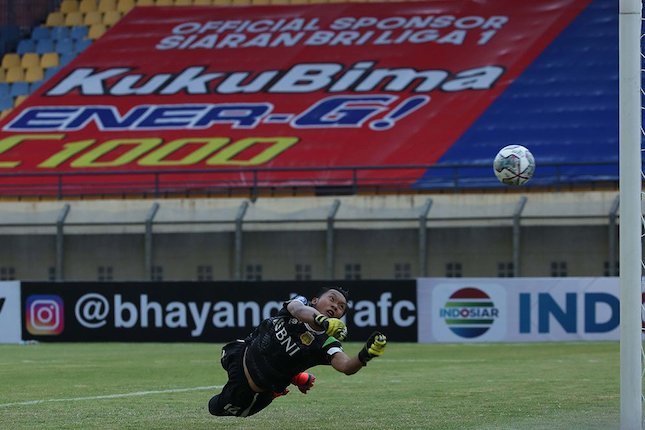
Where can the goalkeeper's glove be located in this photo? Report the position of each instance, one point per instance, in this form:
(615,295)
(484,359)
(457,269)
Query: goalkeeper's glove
(304,381)
(374,347)
(332,326)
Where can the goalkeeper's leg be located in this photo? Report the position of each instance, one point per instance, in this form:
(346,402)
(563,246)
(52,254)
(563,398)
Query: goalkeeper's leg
(242,405)
(237,398)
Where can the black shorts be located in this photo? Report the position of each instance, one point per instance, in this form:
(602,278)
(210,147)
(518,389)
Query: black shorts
(237,398)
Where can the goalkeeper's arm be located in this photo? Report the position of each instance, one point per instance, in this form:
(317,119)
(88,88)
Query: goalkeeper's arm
(333,326)
(374,347)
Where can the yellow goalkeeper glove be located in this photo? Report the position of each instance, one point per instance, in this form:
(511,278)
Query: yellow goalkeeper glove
(374,347)
(332,326)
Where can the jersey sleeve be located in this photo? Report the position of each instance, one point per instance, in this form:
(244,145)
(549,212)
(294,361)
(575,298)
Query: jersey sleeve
(301,299)
(331,347)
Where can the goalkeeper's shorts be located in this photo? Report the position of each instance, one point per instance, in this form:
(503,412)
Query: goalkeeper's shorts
(237,398)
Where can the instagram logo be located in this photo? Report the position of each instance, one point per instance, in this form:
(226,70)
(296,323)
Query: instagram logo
(44,315)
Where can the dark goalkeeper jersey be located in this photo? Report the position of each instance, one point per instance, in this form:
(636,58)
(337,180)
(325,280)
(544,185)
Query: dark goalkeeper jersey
(282,346)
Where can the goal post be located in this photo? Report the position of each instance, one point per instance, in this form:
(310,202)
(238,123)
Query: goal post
(631,403)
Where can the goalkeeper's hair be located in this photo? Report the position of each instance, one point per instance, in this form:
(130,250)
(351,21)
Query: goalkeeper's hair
(323,290)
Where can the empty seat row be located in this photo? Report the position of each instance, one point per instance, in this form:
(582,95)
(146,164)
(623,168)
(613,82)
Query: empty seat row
(88,5)
(77,32)
(56,19)
(212,2)
(18,74)
(32,76)
(30,59)
(18,88)
(7,103)
(44,46)
(175,2)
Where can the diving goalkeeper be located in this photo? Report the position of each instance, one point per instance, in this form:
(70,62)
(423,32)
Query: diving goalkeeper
(276,354)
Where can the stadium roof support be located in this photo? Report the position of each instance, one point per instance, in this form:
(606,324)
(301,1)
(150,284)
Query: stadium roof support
(148,250)
(239,218)
(613,235)
(60,237)
(330,259)
(423,239)
(517,218)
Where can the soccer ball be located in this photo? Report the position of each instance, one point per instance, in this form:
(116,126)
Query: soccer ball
(514,165)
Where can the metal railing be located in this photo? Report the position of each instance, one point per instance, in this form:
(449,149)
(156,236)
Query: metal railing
(316,180)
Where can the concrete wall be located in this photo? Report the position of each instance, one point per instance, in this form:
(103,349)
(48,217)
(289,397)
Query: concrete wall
(375,237)
(478,251)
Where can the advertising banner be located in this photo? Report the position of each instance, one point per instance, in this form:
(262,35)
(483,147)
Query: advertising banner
(204,312)
(185,90)
(10,326)
(518,309)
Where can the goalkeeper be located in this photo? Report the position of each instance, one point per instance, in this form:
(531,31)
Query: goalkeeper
(276,354)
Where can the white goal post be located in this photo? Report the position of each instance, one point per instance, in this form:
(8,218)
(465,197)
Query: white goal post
(631,376)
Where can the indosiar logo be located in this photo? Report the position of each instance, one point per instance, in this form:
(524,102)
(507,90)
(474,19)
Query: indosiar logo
(467,312)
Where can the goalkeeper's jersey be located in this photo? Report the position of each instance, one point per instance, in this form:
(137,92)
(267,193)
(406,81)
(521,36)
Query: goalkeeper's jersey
(283,346)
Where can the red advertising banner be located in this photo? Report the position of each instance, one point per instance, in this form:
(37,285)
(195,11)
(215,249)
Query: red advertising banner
(202,92)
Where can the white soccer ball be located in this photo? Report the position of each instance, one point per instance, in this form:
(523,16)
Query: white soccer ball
(514,165)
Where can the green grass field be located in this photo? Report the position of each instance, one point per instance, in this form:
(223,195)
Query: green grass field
(167,386)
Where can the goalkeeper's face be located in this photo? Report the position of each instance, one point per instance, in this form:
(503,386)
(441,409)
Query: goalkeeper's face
(331,304)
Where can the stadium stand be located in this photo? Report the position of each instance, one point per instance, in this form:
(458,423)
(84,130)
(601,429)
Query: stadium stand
(64,32)
(69,29)
(15,74)
(51,43)
(124,6)
(49,60)
(111,17)
(55,19)
(87,6)
(11,59)
(92,17)
(96,30)
(69,6)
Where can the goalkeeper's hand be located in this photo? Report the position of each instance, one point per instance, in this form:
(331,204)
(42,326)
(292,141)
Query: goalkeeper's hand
(304,381)
(374,347)
(332,326)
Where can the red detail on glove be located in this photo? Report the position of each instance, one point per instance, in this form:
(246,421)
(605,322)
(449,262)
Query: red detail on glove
(304,381)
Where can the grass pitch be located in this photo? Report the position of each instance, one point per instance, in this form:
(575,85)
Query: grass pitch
(413,386)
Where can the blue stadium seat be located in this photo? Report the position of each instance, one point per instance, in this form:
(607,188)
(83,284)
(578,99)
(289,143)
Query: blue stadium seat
(51,72)
(66,58)
(35,85)
(26,45)
(64,45)
(82,45)
(19,89)
(44,46)
(5,89)
(6,102)
(40,33)
(60,32)
(79,32)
